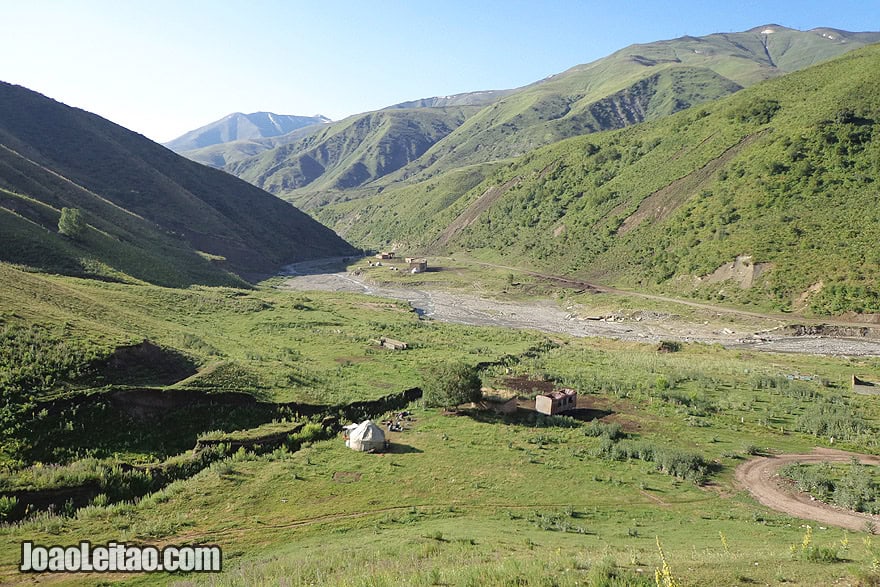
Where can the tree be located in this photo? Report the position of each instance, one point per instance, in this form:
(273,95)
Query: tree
(71,224)
(451,384)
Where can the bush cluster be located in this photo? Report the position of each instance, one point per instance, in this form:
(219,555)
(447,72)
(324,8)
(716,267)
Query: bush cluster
(672,461)
(854,488)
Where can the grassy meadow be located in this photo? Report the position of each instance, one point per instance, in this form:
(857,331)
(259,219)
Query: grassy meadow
(57,341)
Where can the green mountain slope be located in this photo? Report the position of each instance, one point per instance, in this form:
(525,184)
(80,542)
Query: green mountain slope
(230,152)
(769,196)
(465,99)
(349,153)
(238,126)
(638,83)
(150,215)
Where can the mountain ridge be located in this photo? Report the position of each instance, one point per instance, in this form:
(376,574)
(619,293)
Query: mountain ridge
(351,152)
(240,126)
(639,82)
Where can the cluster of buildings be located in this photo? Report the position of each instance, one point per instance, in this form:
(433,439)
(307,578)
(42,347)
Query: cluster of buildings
(416,264)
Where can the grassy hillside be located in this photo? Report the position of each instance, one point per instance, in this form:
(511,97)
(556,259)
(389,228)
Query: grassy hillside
(345,155)
(223,154)
(782,175)
(226,154)
(465,99)
(481,499)
(148,213)
(56,333)
(640,82)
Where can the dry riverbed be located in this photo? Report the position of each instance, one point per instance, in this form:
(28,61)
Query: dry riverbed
(548,315)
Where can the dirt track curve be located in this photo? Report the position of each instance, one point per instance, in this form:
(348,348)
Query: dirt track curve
(759,476)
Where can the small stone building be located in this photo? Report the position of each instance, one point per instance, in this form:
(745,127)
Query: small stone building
(556,402)
(417,265)
(385,255)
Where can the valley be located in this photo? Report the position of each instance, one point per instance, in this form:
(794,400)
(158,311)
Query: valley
(455,498)
(616,327)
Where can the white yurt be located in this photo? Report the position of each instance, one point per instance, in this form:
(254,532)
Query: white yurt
(366,436)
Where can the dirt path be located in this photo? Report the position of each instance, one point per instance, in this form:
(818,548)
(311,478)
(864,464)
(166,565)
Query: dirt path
(759,476)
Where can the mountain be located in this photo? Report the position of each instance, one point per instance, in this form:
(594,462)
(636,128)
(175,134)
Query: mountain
(224,154)
(238,126)
(228,153)
(768,196)
(641,82)
(638,83)
(147,213)
(350,153)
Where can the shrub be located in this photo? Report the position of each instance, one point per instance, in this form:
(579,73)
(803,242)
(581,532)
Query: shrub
(831,418)
(451,384)
(7,505)
(672,461)
(610,430)
(71,224)
(758,111)
(854,489)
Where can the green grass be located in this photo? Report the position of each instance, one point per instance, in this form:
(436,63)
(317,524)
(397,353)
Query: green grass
(853,486)
(347,154)
(390,147)
(147,210)
(464,500)
(281,346)
(316,349)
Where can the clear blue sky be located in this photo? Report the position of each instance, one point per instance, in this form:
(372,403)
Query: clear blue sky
(164,67)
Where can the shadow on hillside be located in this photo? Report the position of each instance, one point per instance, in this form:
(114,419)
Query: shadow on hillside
(531,418)
(396,448)
(145,363)
(317,266)
(587,414)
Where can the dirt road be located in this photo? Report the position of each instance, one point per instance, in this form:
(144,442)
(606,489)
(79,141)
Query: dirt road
(548,316)
(760,477)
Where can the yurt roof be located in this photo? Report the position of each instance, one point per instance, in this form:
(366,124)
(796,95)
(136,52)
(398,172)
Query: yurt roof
(367,430)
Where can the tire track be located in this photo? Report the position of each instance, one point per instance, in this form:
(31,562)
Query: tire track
(761,478)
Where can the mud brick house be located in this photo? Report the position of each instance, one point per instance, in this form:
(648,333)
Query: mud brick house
(556,402)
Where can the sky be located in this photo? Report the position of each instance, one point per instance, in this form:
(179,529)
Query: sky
(162,68)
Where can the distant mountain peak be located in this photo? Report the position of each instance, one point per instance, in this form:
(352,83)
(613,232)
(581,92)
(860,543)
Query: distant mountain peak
(240,126)
(769,29)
